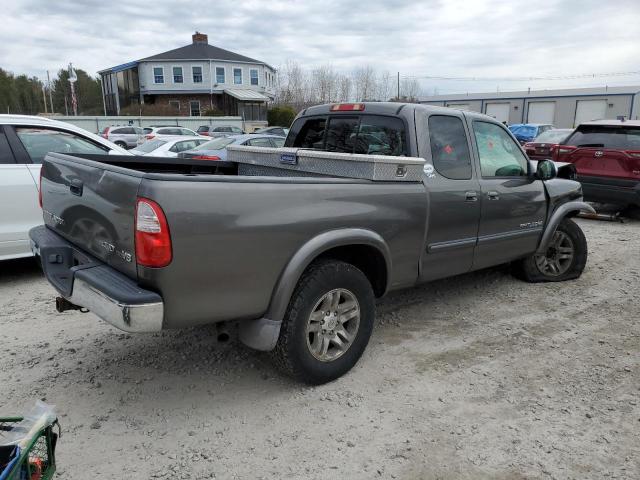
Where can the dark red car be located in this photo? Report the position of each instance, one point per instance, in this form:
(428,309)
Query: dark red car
(606,154)
(541,148)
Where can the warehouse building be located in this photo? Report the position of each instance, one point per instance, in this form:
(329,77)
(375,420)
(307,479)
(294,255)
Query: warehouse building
(562,108)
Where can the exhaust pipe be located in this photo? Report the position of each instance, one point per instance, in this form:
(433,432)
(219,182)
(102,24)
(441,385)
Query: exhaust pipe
(62,305)
(222,332)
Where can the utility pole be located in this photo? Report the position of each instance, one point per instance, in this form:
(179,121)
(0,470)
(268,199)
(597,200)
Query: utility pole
(398,97)
(44,98)
(49,87)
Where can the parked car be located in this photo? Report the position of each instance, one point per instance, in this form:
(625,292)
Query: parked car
(168,146)
(606,154)
(542,146)
(24,142)
(125,136)
(526,132)
(156,132)
(217,149)
(297,258)
(221,131)
(279,131)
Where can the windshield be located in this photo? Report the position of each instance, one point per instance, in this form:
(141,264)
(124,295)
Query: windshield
(217,144)
(553,136)
(150,146)
(605,136)
(524,130)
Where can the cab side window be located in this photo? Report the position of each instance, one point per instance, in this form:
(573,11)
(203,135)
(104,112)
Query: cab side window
(449,147)
(500,156)
(39,141)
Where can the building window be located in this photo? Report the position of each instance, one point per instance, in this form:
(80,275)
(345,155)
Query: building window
(177,75)
(158,75)
(220,75)
(197,74)
(254,77)
(175,104)
(194,106)
(237,76)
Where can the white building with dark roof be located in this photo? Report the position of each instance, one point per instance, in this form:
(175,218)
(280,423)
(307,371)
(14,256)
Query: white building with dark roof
(191,80)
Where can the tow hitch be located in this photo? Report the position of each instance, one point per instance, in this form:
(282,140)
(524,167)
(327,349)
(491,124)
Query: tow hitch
(62,305)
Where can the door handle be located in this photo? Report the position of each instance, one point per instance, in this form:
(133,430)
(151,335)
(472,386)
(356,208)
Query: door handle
(493,195)
(471,196)
(76,187)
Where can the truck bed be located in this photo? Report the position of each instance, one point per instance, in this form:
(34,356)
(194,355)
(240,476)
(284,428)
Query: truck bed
(232,235)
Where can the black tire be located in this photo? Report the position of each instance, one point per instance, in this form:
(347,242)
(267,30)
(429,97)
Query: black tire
(293,351)
(531,269)
(121,144)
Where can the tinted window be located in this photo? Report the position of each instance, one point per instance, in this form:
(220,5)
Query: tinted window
(169,131)
(449,147)
(6,155)
(150,145)
(278,142)
(217,144)
(260,142)
(381,136)
(40,141)
(184,145)
(147,130)
(500,155)
(341,134)
(369,134)
(124,131)
(553,136)
(203,129)
(235,130)
(603,136)
(186,131)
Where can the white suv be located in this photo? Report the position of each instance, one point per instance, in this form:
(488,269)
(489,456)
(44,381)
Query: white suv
(24,142)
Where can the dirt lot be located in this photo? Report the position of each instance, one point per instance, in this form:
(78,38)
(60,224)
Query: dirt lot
(480,376)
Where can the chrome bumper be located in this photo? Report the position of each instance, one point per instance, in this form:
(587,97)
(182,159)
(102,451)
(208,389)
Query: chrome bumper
(130,318)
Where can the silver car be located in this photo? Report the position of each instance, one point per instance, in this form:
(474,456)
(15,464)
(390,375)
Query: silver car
(127,136)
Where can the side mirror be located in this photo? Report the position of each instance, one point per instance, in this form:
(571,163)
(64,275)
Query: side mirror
(546,170)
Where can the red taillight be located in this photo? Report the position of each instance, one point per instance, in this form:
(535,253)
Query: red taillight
(153,240)
(205,157)
(149,137)
(347,107)
(40,188)
(562,150)
(528,145)
(105,133)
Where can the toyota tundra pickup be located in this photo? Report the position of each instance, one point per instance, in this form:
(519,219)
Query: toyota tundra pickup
(298,260)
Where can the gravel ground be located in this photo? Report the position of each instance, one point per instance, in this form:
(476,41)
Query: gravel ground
(479,376)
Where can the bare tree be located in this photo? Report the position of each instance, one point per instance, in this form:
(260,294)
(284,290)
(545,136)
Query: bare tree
(344,85)
(364,79)
(384,86)
(324,84)
(410,89)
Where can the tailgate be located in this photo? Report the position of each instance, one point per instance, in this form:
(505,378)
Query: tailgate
(92,205)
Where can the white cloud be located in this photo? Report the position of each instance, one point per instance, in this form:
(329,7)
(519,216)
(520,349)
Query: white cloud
(484,38)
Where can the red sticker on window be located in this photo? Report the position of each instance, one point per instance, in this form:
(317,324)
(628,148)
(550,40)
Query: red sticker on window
(490,144)
(448,149)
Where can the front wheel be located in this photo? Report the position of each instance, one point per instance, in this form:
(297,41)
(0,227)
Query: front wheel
(328,323)
(564,259)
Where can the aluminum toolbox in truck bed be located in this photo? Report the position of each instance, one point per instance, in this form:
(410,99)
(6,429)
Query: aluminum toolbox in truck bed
(301,162)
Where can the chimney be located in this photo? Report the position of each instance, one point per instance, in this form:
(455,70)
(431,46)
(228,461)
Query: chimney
(200,38)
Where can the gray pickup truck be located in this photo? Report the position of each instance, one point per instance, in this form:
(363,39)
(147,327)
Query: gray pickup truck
(298,260)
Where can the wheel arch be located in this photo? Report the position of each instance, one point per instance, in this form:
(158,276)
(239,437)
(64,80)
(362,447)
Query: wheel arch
(362,248)
(566,210)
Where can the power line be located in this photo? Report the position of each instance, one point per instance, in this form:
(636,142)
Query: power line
(523,79)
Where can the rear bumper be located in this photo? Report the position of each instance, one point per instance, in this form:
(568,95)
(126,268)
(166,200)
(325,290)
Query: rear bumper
(88,283)
(610,190)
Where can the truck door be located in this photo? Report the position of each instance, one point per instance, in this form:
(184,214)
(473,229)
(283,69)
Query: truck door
(512,204)
(454,198)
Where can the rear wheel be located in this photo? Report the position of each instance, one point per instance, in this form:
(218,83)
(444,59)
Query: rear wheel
(121,144)
(564,258)
(328,323)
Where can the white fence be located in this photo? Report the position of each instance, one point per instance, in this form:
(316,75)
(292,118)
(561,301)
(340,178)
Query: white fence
(96,124)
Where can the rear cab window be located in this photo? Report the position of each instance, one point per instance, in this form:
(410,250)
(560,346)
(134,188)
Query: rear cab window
(363,134)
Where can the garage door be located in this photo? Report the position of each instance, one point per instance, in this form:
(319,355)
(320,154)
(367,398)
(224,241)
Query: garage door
(541,112)
(587,110)
(499,111)
(459,106)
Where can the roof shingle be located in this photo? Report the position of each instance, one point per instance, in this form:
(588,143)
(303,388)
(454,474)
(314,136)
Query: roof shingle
(200,51)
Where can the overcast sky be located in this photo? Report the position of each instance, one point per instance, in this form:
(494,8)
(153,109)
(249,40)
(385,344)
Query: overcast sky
(482,38)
